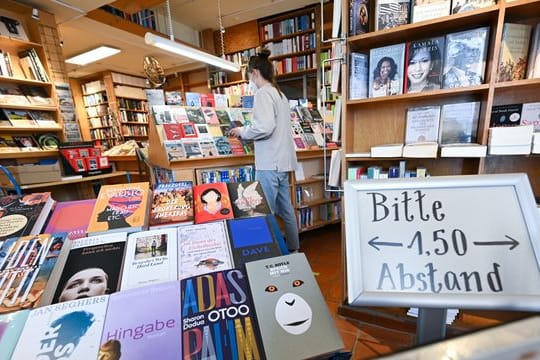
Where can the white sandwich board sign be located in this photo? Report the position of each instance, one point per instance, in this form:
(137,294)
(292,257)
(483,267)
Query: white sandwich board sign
(470,241)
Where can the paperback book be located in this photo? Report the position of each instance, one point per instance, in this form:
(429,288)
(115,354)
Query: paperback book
(514,51)
(247,199)
(151,258)
(70,330)
(422,124)
(195,115)
(212,202)
(175,150)
(93,267)
(193,99)
(460,6)
(192,148)
(358,76)
(465,58)
(459,123)
(358,17)
(120,207)
(29,269)
(205,334)
(291,309)
(11,326)
(386,69)
(172,204)
(202,249)
(427,10)
(71,217)
(144,323)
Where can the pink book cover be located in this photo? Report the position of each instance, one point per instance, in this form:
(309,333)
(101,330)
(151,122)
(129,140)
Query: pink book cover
(71,217)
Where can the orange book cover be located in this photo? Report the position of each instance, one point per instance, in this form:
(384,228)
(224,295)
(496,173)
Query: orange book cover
(120,207)
(212,202)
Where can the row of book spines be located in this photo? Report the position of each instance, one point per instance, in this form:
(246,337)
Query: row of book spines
(134,130)
(129,116)
(288,26)
(379,172)
(295,64)
(330,211)
(30,63)
(241,57)
(145,18)
(292,45)
(246,173)
(95,99)
(6,69)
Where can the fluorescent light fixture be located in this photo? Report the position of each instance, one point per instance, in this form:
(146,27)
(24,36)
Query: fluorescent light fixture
(189,51)
(93,55)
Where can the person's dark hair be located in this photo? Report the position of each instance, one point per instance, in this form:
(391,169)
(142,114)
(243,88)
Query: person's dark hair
(393,68)
(203,194)
(265,67)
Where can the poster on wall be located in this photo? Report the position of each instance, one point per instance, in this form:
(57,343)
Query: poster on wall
(67,109)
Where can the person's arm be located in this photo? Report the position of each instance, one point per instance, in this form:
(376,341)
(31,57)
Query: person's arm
(264,119)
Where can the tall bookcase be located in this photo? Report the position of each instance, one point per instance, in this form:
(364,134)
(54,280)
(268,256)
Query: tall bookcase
(115,108)
(376,121)
(20,76)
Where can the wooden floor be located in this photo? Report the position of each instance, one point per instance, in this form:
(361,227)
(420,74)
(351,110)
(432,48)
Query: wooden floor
(323,250)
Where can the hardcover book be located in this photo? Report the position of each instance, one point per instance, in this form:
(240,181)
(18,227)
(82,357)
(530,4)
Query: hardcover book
(71,330)
(459,123)
(221,100)
(427,10)
(391,13)
(36,95)
(465,58)
(173,97)
(513,55)
(386,65)
(144,323)
(203,131)
(195,115)
(506,115)
(222,116)
(11,326)
(247,199)
(291,309)
(71,217)
(25,214)
(93,267)
(120,207)
(19,118)
(151,258)
(11,94)
(358,17)
(422,124)
(29,269)
(533,66)
(235,336)
(172,204)
(162,114)
(530,115)
(178,114)
(423,65)
(358,76)
(202,249)
(251,239)
(212,202)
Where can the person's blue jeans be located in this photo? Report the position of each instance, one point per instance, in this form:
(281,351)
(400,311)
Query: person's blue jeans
(278,195)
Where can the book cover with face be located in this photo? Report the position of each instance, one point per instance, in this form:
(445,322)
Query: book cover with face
(293,316)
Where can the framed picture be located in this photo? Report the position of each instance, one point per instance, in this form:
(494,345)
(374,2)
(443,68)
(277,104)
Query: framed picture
(12,27)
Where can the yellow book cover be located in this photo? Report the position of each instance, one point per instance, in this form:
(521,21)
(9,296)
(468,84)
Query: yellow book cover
(120,207)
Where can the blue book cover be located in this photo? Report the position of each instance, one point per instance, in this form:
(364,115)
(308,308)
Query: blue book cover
(247,101)
(251,239)
(193,99)
(218,317)
(145,323)
(11,326)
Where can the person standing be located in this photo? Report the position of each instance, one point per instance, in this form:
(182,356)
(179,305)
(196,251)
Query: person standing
(275,154)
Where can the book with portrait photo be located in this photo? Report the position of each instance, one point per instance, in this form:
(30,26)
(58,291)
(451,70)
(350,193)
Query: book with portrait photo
(514,53)
(465,58)
(235,336)
(151,258)
(143,323)
(459,123)
(212,202)
(120,207)
(423,65)
(203,248)
(391,13)
(386,65)
(71,330)
(93,267)
(30,267)
(172,204)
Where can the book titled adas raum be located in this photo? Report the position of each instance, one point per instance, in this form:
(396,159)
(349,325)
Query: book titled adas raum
(93,267)
(70,330)
(219,320)
(203,248)
(172,204)
(293,316)
(71,217)
(144,323)
(151,257)
(120,207)
(29,269)
(212,202)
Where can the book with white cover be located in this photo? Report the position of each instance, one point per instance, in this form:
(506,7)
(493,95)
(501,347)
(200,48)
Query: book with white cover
(151,258)
(69,330)
(387,150)
(530,115)
(511,135)
(523,149)
(463,150)
(421,150)
(422,124)
(427,10)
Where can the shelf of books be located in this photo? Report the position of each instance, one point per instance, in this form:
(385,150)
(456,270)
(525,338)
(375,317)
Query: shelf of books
(444,88)
(28,108)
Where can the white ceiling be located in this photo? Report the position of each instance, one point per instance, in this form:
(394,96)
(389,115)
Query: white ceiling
(80,33)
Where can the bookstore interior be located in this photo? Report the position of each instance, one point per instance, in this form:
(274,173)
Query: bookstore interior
(416,128)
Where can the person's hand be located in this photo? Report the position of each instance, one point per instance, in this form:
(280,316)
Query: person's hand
(236,132)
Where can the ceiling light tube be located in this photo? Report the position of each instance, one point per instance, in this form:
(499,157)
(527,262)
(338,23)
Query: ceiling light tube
(93,55)
(189,51)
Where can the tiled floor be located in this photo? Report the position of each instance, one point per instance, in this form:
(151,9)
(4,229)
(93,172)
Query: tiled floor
(323,250)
